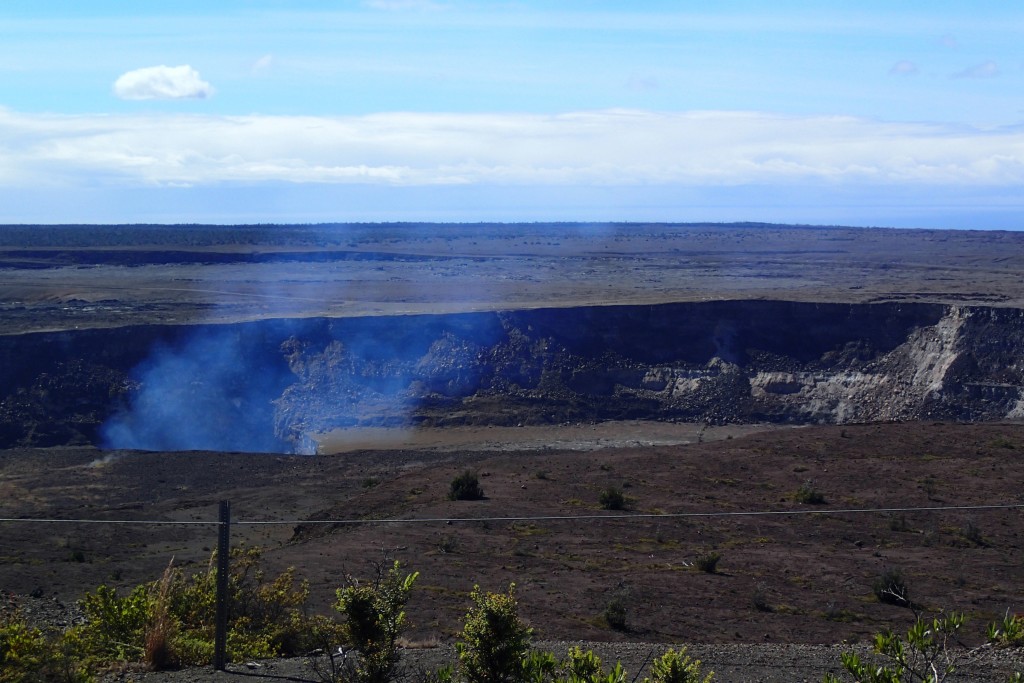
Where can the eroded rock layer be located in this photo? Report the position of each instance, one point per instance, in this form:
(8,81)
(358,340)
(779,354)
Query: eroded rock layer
(272,385)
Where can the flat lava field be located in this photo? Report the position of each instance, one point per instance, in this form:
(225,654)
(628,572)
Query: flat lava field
(68,277)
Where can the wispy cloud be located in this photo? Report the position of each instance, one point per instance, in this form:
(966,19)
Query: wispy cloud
(162,83)
(598,148)
(263,63)
(949,41)
(987,69)
(903,68)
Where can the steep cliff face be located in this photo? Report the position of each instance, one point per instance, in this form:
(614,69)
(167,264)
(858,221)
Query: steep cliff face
(273,385)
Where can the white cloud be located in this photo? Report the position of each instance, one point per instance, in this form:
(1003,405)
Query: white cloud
(162,83)
(598,148)
(263,63)
(949,41)
(903,68)
(987,69)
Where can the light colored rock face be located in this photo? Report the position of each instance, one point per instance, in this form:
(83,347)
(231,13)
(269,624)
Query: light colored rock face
(914,380)
(1017,412)
(900,383)
(931,351)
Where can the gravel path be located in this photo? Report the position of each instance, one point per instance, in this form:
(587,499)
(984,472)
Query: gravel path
(767,663)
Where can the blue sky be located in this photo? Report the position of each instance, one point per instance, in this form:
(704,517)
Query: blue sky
(874,113)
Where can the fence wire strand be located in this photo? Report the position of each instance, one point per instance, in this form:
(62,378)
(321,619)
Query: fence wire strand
(530,518)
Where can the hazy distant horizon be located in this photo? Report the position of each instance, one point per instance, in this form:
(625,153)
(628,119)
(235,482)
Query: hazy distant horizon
(239,111)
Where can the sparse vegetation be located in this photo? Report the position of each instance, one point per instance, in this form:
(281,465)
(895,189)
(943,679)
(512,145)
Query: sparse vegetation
(930,486)
(708,561)
(612,498)
(466,486)
(1008,633)
(807,494)
(28,655)
(931,652)
(891,588)
(374,619)
(494,643)
(1002,442)
(171,622)
(971,532)
(760,599)
(677,667)
(615,613)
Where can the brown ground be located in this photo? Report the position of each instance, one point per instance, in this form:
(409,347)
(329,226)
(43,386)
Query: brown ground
(812,573)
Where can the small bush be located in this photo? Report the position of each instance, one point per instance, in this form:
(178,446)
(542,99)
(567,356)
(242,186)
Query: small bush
(495,643)
(586,667)
(677,667)
(708,561)
(972,532)
(612,499)
(1002,442)
(466,486)
(891,588)
(808,495)
(1009,633)
(615,613)
(171,622)
(27,655)
(930,487)
(115,626)
(374,618)
(926,655)
(760,599)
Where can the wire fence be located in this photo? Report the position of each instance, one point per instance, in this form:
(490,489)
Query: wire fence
(223,526)
(533,518)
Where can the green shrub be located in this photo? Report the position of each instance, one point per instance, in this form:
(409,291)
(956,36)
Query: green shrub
(262,615)
(27,655)
(374,618)
(115,627)
(677,667)
(585,667)
(708,561)
(1008,633)
(495,643)
(615,613)
(759,599)
(466,486)
(930,653)
(612,499)
(891,588)
(926,655)
(808,495)
(171,622)
(22,650)
(972,532)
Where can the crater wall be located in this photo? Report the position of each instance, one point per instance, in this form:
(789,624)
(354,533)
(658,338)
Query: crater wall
(272,385)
